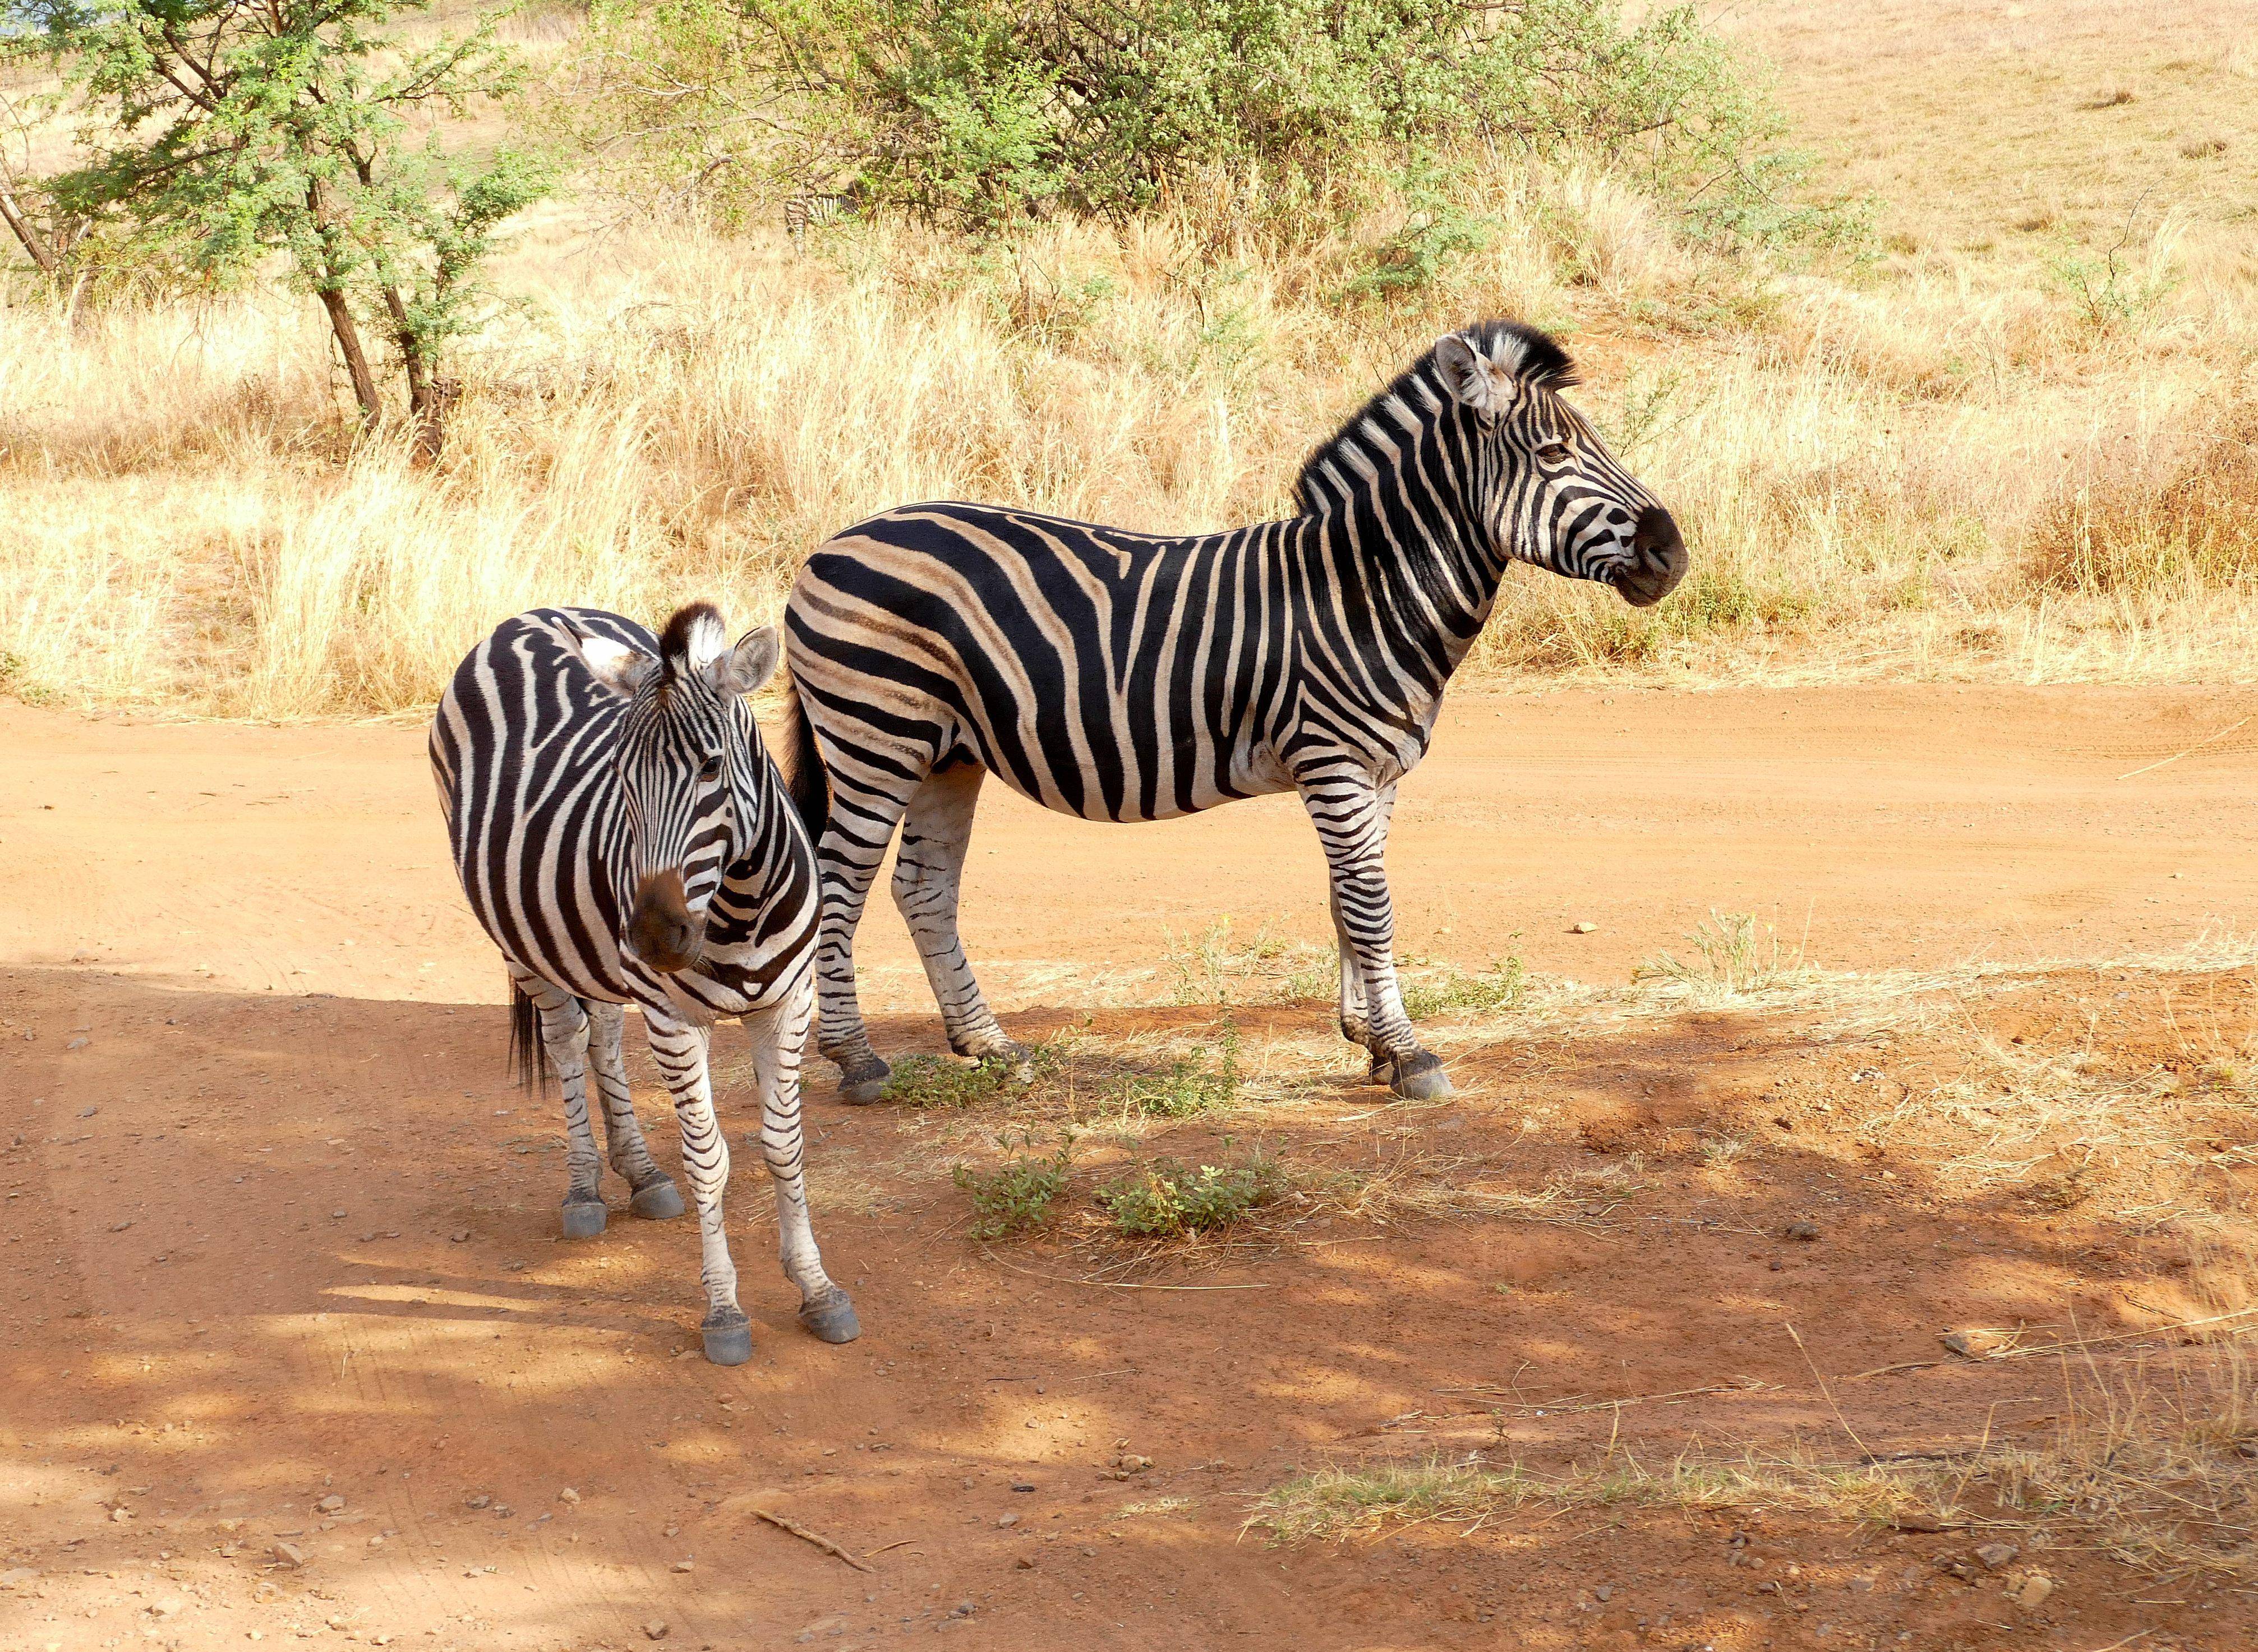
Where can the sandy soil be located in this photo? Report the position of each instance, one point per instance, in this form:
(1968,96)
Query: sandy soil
(277,1230)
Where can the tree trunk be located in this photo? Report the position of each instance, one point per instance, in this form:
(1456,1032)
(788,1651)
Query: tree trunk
(20,222)
(364,381)
(427,396)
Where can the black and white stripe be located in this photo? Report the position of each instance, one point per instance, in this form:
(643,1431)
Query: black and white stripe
(624,837)
(1131,677)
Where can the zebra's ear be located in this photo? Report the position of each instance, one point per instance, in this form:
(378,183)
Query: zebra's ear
(1487,386)
(618,667)
(747,666)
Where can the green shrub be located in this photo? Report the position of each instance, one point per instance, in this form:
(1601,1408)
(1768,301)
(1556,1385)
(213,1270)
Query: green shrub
(1189,1085)
(1168,1198)
(1454,992)
(1017,1195)
(935,1081)
(980,112)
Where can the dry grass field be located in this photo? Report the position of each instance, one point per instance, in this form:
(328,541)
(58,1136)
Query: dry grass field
(2011,440)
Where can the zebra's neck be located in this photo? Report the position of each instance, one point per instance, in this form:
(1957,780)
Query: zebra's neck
(1390,520)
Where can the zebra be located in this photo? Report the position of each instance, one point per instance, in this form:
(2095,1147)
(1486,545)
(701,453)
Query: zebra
(802,213)
(1121,675)
(622,834)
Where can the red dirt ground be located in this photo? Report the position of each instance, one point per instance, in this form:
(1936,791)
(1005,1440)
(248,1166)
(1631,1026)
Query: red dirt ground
(252,1092)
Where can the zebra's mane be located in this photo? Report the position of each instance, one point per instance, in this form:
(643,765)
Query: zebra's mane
(682,636)
(1535,357)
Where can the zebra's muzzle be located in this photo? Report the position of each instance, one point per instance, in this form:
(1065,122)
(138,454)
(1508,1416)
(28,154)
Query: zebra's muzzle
(1657,559)
(661,930)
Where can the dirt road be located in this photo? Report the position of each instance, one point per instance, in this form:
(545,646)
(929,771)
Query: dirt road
(276,1230)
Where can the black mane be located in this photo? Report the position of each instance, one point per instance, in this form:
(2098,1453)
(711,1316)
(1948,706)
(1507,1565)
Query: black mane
(1544,365)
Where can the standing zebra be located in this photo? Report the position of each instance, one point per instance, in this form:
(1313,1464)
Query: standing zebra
(1129,676)
(624,836)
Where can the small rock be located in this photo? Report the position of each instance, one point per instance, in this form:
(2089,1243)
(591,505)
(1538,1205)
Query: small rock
(1583,927)
(501,1512)
(1025,1562)
(80,1044)
(1007,1519)
(961,1609)
(1918,1520)
(1807,1232)
(287,1555)
(337,1215)
(121,1515)
(479,1502)
(459,1235)
(1995,1556)
(1023,1485)
(168,1607)
(1972,1343)
(120,1227)
(2033,1593)
(568,1495)
(1605,1591)
(331,1505)
(655,1629)
(685,1565)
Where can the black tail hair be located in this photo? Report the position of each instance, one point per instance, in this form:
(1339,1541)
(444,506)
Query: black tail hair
(804,775)
(525,1039)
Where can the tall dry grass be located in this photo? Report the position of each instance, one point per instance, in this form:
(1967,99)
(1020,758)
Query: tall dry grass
(1871,464)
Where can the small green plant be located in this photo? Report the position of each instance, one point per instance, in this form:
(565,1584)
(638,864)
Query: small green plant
(940,1081)
(1729,957)
(1016,1195)
(1189,1085)
(1448,991)
(1212,969)
(1437,235)
(1168,1198)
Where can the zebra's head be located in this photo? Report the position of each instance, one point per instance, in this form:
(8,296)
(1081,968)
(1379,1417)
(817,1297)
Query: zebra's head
(1541,481)
(688,769)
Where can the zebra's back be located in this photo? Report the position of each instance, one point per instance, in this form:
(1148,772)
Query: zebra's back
(1105,673)
(522,747)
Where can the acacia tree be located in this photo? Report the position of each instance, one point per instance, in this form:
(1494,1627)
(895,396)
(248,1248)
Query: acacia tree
(219,133)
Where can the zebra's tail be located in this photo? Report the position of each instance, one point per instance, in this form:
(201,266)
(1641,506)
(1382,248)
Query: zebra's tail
(524,1038)
(803,776)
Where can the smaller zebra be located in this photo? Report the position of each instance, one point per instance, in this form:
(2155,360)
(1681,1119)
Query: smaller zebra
(624,837)
(803,213)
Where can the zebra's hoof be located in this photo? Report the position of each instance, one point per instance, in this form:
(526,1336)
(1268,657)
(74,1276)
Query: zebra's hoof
(584,1218)
(1421,1078)
(832,1319)
(657,1201)
(863,1082)
(729,1341)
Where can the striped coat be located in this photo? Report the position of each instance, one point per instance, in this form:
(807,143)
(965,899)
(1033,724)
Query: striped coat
(622,834)
(1121,675)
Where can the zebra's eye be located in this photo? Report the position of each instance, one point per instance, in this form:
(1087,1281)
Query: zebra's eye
(1554,453)
(711,769)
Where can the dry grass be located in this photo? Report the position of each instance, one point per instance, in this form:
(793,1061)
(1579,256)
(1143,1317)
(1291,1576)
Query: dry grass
(2142,1466)
(1992,451)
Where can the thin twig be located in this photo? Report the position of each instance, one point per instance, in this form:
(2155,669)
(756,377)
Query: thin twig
(817,1538)
(1117,1284)
(1827,1395)
(2177,755)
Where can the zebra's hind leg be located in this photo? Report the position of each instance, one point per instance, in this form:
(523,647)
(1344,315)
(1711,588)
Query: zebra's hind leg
(928,876)
(779,1035)
(565,1036)
(865,807)
(680,1048)
(654,1194)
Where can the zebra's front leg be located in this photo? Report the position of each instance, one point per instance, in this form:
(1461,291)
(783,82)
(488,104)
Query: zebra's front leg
(1352,817)
(565,1037)
(928,876)
(680,1048)
(1355,1011)
(779,1035)
(654,1194)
